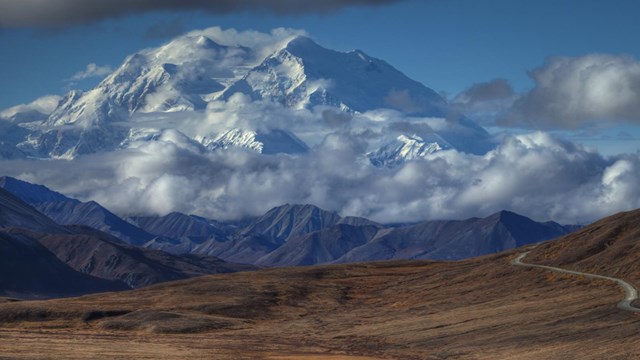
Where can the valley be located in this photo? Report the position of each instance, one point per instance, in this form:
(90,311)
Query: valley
(475,309)
(496,306)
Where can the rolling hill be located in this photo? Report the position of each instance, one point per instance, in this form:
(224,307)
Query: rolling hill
(482,308)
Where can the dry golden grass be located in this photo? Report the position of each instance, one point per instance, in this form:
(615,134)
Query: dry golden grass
(476,309)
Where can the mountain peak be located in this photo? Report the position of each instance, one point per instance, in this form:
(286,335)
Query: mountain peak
(191,71)
(302,41)
(287,221)
(205,41)
(185,49)
(305,48)
(274,141)
(524,228)
(14,212)
(406,148)
(298,207)
(506,214)
(509,218)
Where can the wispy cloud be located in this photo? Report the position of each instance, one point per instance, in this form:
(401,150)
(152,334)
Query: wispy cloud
(45,105)
(533,174)
(91,71)
(68,12)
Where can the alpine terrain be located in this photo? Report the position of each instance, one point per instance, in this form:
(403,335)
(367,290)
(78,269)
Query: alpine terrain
(482,308)
(156,93)
(293,234)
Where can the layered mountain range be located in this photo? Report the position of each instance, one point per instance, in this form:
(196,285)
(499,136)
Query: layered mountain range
(186,76)
(292,235)
(487,308)
(41,258)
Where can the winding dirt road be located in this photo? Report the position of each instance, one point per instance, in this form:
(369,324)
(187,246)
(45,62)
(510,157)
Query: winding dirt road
(630,292)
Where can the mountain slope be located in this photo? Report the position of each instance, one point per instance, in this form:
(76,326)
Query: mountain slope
(405,148)
(293,235)
(609,246)
(484,309)
(284,222)
(27,268)
(267,236)
(179,233)
(240,248)
(97,254)
(15,213)
(304,74)
(30,270)
(453,240)
(319,247)
(191,72)
(271,142)
(173,77)
(178,76)
(34,240)
(67,211)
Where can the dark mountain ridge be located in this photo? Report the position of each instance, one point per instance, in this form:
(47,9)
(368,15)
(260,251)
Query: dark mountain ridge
(301,234)
(40,258)
(67,211)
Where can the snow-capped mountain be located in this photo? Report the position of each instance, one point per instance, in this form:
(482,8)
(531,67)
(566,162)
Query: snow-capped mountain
(191,72)
(405,148)
(174,77)
(273,142)
(304,74)
(179,76)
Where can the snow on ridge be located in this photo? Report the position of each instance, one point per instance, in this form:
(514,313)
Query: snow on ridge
(234,138)
(192,72)
(275,141)
(405,148)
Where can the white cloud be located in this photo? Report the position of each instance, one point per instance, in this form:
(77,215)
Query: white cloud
(568,93)
(571,92)
(45,105)
(536,174)
(486,102)
(91,71)
(262,44)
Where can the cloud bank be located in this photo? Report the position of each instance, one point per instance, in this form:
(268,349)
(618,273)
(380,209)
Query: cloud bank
(487,101)
(568,93)
(571,92)
(44,105)
(25,13)
(536,175)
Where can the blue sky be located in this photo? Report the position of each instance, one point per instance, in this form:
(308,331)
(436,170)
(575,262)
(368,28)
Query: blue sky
(447,45)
